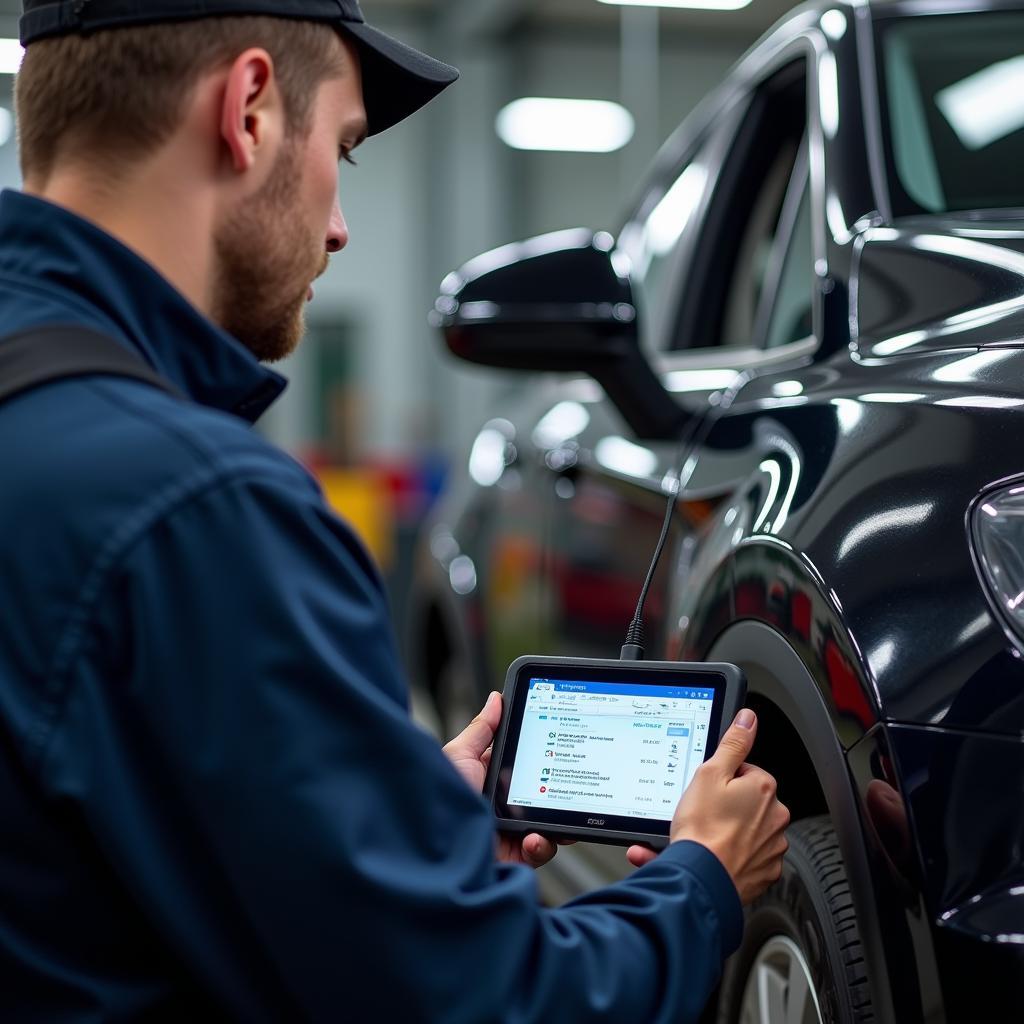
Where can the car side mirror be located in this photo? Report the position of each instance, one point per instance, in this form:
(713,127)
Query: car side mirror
(557,303)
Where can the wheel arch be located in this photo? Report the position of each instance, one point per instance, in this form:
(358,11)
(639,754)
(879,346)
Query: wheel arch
(780,684)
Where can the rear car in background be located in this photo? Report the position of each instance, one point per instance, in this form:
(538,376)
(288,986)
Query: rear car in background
(815,309)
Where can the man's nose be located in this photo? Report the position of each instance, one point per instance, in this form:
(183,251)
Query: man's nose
(337,230)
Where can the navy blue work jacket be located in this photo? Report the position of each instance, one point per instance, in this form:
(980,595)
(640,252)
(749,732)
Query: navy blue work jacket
(213,803)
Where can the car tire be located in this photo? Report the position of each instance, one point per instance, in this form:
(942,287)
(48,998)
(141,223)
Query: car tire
(801,959)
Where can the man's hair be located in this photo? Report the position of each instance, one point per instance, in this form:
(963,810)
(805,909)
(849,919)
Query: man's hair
(116,96)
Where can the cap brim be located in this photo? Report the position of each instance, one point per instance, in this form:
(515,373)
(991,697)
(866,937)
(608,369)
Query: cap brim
(397,80)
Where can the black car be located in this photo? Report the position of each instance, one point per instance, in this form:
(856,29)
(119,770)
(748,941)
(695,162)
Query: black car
(811,323)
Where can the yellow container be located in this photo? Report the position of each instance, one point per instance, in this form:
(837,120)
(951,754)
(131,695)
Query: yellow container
(362,498)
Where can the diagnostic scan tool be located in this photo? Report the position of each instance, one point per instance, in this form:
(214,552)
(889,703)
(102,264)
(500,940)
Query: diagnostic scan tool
(603,750)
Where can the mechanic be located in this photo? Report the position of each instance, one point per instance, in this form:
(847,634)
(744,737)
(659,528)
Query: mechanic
(214,802)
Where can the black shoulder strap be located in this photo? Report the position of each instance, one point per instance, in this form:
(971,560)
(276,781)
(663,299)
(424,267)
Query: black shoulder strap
(39,356)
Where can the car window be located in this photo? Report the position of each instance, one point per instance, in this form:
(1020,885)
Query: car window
(753,259)
(656,243)
(738,249)
(953,120)
(792,311)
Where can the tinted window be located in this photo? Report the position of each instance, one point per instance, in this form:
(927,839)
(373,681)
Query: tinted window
(753,258)
(656,244)
(737,254)
(791,318)
(955,114)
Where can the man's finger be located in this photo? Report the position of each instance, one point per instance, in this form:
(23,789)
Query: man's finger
(490,714)
(736,744)
(479,734)
(638,856)
(537,850)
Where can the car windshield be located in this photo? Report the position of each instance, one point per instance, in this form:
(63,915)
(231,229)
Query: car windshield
(954,111)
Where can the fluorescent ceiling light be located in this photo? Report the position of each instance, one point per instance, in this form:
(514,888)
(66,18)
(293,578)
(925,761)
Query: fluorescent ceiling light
(697,5)
(564,422)
(985,106)
(487,459)
(11,54)
(622,456)
(557,125)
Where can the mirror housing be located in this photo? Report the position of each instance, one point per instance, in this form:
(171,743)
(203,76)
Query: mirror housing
(557,303)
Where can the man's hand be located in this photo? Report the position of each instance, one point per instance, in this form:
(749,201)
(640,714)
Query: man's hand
(470,753)
(731,808)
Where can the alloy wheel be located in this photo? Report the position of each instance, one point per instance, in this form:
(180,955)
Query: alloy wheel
(779,988)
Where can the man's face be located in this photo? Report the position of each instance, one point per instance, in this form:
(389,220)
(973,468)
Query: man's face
(270,251)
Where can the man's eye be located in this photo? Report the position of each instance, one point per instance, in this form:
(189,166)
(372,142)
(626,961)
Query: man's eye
(344,154)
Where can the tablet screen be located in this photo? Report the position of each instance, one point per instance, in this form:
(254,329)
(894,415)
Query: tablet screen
(612,748)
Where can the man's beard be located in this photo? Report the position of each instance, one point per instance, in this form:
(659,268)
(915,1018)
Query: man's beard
(265,263)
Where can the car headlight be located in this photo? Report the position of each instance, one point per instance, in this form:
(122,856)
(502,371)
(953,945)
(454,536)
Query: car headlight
(997,533)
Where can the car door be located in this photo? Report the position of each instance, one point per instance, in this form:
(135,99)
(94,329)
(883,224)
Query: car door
(706,288)
(735,297)
(607,487)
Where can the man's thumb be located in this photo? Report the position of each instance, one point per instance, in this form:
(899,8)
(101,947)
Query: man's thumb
(479,734)
(736,743)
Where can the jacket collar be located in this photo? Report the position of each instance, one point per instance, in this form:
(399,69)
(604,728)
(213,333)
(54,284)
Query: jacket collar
(95,277)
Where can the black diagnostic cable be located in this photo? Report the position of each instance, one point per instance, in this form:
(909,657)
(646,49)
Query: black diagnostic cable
(633,648)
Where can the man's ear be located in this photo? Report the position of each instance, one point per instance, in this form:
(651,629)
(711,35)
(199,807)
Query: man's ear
(251,112)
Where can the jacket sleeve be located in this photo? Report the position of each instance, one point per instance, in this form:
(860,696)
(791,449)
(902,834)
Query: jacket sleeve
(235,734)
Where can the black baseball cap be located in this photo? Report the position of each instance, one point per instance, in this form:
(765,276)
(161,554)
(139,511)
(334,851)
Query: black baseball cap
(397,80)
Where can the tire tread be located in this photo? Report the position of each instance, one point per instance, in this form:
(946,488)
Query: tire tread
(814,884)
(816,839)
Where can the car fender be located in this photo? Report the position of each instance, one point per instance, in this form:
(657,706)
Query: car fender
(776,672)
